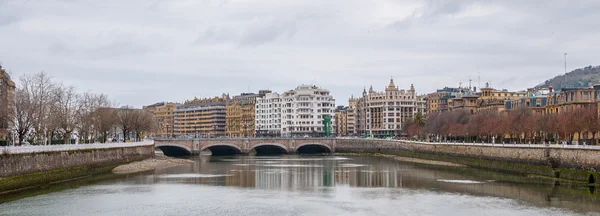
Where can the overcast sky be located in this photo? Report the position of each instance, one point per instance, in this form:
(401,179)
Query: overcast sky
(143,51)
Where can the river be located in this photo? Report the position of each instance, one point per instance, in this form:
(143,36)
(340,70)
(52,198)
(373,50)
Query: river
(305,185)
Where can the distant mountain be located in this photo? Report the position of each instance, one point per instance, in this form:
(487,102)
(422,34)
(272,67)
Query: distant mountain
(581,77)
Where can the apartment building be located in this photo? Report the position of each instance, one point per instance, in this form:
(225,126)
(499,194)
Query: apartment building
(240,115)
(307,110)
(382,113)
(341,121)
(201,117)
(7,93)
(268,115)
(164,114)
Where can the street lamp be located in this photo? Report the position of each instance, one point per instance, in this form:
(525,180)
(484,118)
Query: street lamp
(167,133)
(196,129)
(215,130)
(245,129)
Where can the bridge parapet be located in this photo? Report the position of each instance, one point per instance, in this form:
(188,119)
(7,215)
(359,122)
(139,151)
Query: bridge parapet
(243,145)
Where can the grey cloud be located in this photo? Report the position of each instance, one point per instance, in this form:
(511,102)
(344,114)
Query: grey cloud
(266,34)
(174,50)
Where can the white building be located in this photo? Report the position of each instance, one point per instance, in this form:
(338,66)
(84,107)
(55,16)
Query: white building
(268,115)
(297,112)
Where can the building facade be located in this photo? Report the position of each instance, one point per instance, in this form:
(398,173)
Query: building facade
(422,104)
(201,117)
(494,100)
(307,110)
(240,115)
(341,121)
(7,93)
(535,100)
(164,114)
(439,100)
(382,113)
(569,99)
(351,116)
(268,115)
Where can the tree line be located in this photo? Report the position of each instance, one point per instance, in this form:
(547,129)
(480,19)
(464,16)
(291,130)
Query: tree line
(515,126)
(45,111)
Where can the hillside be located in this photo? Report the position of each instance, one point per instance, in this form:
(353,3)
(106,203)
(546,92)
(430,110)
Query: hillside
(581,77)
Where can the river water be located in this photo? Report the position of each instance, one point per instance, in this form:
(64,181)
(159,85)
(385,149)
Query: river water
(305,185)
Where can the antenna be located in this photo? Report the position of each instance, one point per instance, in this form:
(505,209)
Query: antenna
(565,63)
(479,80)
(470,82)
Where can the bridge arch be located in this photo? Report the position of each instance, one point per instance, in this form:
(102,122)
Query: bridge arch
(218,149)
(313,148)
(269,149)
(174,149)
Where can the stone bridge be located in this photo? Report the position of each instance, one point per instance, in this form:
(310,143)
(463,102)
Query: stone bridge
(232,146)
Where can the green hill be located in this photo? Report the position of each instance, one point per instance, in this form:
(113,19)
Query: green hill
(581,77)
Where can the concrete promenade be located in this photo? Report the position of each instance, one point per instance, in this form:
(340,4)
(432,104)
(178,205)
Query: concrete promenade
(504,145)
(69,147)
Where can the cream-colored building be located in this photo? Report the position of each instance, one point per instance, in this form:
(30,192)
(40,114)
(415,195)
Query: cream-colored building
(351,116)
(240,115)
(7,93)
(341,121)
(164,114)
(382,113)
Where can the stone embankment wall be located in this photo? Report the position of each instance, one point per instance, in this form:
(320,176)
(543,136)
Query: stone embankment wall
(27,163)
(575,164)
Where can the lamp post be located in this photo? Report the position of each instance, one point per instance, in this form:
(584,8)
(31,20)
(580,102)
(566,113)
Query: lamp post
(215,130)
(196,130)
(245,130)
(167,133)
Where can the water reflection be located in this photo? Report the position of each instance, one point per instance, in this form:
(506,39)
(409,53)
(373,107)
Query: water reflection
(301,185)
(295,173)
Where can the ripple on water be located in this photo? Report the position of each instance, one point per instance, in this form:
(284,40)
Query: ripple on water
(300,159)
(291,165)
(460,181)
(193,175)
(352,165)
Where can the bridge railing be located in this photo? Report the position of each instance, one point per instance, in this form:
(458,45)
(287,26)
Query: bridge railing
(58,148)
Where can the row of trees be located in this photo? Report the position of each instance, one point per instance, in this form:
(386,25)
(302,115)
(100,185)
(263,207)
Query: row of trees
(517,126)
(45,110)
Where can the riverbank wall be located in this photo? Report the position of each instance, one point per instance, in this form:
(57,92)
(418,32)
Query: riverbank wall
(577,164)
(24,170)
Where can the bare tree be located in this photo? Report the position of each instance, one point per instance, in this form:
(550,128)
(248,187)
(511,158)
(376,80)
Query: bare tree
(591,122)
(125,120)
(87,117)
(39,86)
(143,122)
(68,108)
(106,119)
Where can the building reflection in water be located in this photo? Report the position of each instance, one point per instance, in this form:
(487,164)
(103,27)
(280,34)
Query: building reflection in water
(318,173)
